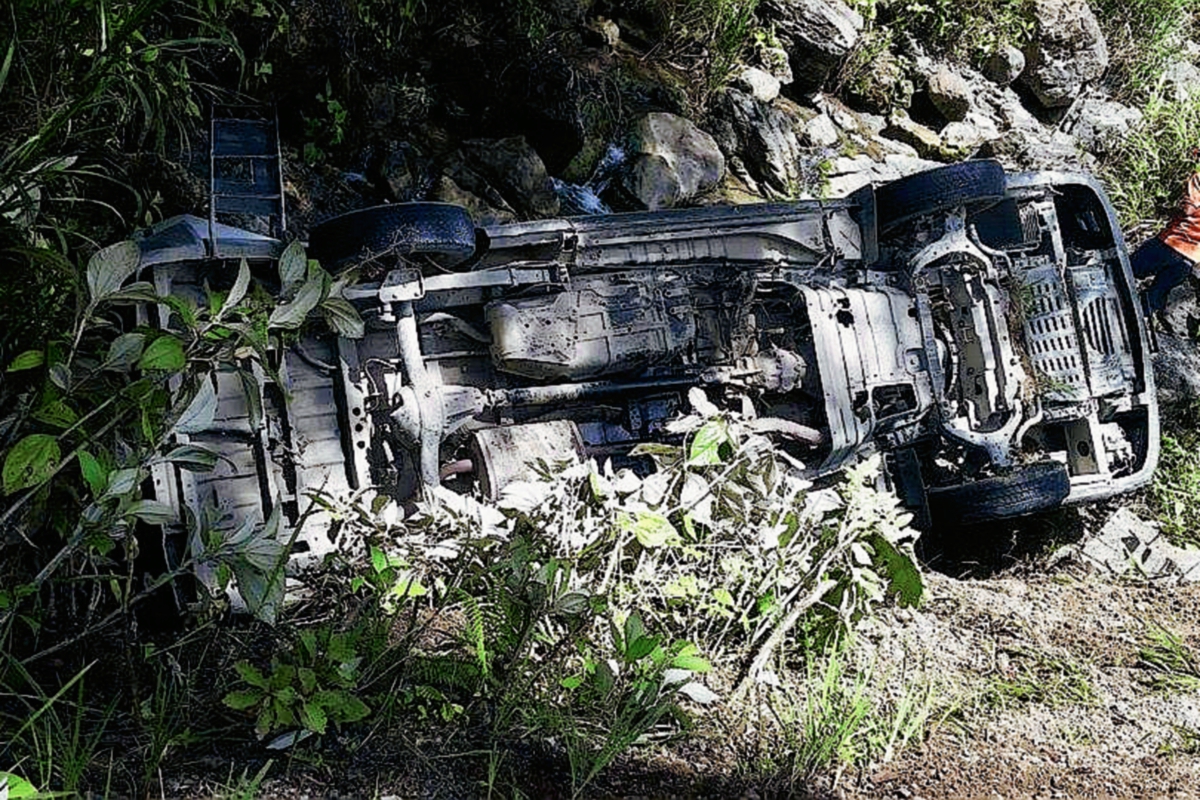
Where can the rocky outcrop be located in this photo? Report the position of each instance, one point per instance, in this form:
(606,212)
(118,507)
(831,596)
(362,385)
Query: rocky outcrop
(817,35)
(670,161)
(1098,124)
(1067,52)
(764,140)
(512,170)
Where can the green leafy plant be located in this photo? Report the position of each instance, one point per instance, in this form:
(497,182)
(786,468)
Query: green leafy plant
(309,686)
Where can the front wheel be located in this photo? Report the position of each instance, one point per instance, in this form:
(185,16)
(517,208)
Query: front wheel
(1026,490)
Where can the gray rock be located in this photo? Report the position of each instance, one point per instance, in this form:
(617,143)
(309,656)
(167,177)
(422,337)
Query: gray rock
(759,84)
(1004,66)
(1100,124)
(1128,545)
(850,174)
(514,169)
(765,139)
(1036,148)
(775,61)
(820,131)
(445,190)
(904,129)
(1181,81)
(1176,370)
(950,94)
(1068,51)
(963,138)
(817,35)
(671,161)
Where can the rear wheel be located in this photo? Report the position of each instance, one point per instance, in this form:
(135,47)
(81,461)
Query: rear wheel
(1027,490)
(941,189)
(442,230)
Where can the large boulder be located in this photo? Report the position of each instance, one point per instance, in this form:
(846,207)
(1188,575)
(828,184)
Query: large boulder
(758,83)
(817,34)
(950,93)
(1100,124)
(670,161)
(1068,50)
(515,171)
(1005,65)
(765,141)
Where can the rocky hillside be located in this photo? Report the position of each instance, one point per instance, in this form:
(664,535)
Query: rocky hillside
(523,110)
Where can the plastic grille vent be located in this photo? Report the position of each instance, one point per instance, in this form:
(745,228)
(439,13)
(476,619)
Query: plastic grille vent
(1050,331)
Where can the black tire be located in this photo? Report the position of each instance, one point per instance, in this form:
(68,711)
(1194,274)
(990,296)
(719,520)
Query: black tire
(438,229)
(938,189)
(1027,490)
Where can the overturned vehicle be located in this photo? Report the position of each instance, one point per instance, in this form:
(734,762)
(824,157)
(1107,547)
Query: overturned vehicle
(980,330)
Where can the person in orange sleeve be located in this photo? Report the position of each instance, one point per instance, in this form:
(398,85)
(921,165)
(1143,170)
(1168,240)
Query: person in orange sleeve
(1174,254)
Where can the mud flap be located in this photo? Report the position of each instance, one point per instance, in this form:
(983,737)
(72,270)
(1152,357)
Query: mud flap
(903,470)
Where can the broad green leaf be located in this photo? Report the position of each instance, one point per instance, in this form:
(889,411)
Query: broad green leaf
(111,267)
(238,292)
(308,680)
(634,629)
(291,315)
(691,663)
(192,458)
(258,569)
(706,444)
(293,267)
(183,307)
(30,462)
(94,475)
(30,359)
(164,353)
(341,705)
(139,292)
(650,528)
(243,699)
(313,717)
(343,318)
(60,376)
(572,603)
(14,787)
(604,678)
(125,351)
(571,682)
(900,570)
(152,512)
(641,647)
(122,481)
(57,414)
(199,414)
(250,674)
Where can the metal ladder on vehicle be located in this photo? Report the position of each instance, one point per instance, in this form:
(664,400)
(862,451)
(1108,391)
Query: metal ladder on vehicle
(245,169)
